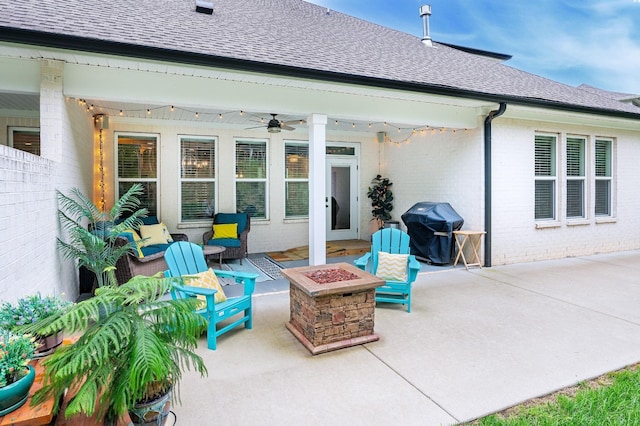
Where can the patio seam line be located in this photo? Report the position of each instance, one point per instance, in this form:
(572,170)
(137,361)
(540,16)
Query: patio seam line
(411,384)
(558,299)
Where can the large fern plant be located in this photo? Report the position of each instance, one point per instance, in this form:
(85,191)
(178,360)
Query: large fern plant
(131,341)
(92,232)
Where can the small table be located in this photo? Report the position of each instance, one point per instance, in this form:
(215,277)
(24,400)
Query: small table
(474,237)
(208,250)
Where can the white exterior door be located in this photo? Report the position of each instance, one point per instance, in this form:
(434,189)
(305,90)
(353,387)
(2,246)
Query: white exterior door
(342,198)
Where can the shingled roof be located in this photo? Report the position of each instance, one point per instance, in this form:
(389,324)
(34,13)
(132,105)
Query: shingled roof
(287,37)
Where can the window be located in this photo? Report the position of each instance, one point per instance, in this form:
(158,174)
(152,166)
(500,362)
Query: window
(251,178)
(603,177)
(296,179)
(197,178)
(545,177)
(576,177)
(138,163)
(25,139)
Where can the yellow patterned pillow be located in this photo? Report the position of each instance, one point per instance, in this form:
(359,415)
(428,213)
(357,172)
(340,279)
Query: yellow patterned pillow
(392,267)
(206,279)
(225,230)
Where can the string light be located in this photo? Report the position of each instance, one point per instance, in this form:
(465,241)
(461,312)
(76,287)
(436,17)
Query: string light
(405,134)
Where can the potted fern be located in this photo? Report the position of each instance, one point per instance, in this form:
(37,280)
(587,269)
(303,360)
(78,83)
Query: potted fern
(133,346)
(92,232)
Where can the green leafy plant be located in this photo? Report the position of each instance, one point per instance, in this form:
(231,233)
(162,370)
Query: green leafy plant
(92,232)
(131,342)
(30,309)
(381,197)
(16,350)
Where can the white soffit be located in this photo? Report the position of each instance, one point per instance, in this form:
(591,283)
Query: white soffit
(569,117)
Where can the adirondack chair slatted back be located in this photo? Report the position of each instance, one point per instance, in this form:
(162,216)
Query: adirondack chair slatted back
(394,290)
(185,258)
(389,240)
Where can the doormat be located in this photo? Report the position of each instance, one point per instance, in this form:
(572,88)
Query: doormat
(334,249)
(267,266)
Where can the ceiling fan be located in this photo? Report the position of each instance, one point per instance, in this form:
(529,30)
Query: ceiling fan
(275,126)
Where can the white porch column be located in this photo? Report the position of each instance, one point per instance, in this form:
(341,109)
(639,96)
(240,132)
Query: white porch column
(52,109)
(317,192)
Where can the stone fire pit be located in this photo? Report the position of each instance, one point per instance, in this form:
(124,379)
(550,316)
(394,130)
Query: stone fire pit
(332,306)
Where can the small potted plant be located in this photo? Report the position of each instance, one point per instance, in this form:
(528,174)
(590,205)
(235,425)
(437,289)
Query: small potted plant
(16,375)
(132,347)
(28,310)
(381,197)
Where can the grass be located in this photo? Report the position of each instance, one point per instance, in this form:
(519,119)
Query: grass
(612,399)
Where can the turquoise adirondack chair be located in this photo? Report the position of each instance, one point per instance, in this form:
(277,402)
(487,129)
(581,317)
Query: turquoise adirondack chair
(398,272)
(184,258)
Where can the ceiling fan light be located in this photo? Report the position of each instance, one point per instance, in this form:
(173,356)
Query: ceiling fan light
(273,129)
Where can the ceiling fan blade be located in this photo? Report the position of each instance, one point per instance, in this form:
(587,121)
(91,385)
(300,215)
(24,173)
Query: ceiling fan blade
(290,122)
(255,127)
(285,127)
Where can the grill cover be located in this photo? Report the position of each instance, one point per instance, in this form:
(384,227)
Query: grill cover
(430,227)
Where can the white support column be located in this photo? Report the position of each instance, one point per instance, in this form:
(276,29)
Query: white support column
(52,109)
(317,189)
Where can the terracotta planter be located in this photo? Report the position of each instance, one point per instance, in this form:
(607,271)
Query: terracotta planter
(15,395)
(152,413)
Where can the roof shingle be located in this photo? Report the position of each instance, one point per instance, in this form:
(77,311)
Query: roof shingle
(296,34)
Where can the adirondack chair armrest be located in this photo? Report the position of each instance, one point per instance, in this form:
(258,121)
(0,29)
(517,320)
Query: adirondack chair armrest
(245,278)
(187,289)
(208,293)
(362,262)
(414,268)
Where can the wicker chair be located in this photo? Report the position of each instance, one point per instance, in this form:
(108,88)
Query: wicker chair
(130,265)
(235,248)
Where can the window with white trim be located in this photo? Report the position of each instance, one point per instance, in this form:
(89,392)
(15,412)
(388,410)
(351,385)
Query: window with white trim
(296,179)
(25,139)
(603,177)
(197,178)
(546,179)
(576,177)
(137,159)
(251,177)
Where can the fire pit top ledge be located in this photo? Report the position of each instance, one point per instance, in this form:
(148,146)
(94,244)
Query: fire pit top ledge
(364,281)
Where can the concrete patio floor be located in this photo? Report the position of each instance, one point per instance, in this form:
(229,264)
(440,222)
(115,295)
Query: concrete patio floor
(476,342)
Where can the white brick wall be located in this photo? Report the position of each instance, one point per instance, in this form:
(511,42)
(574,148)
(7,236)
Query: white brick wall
(29,260)
(515,236)
(449,167)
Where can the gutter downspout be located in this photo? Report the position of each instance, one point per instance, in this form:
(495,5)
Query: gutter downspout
(487,180)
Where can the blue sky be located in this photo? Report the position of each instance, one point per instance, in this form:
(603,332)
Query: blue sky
(596,42)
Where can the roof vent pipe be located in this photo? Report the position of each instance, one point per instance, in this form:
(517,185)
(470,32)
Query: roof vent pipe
(425,12)
(204,6)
